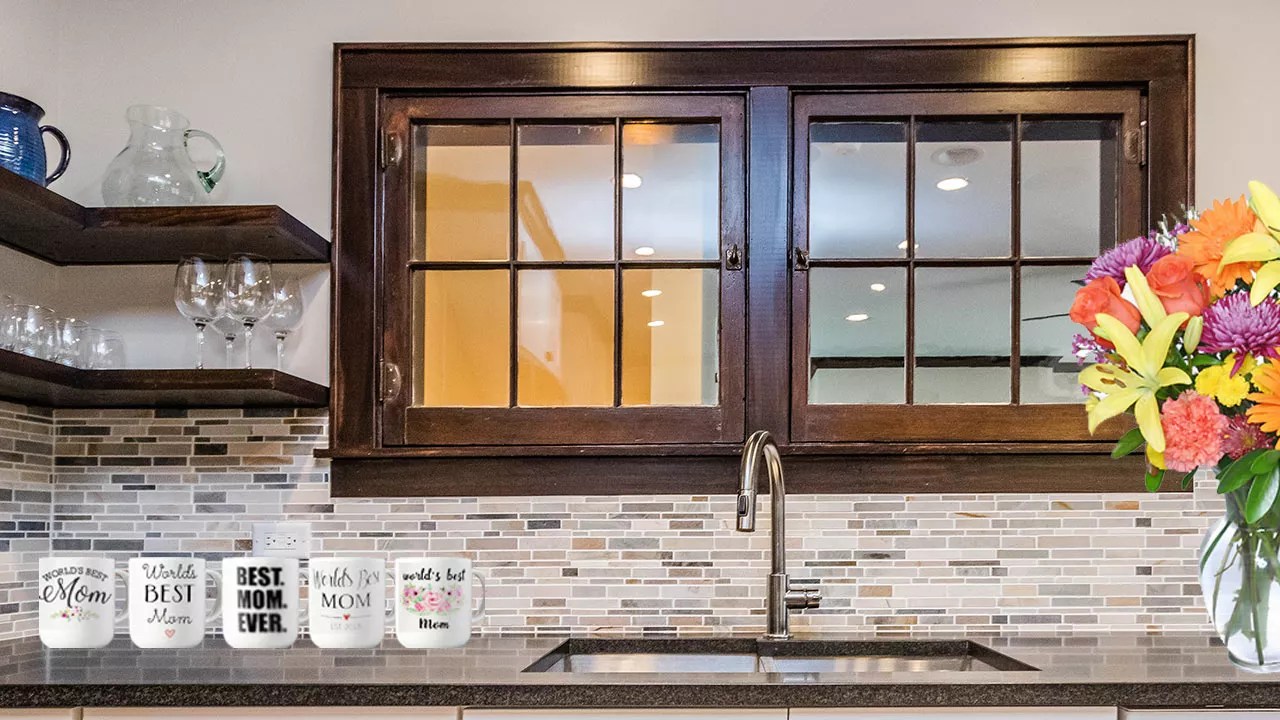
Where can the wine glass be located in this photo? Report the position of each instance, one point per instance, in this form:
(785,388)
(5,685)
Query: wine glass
(33,331)
(73,341)
(106,350)
(198,293)
(250,295)
(285,315)
(6,322)
(230,328)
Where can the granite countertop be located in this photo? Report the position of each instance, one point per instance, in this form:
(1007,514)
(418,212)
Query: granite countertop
(1123,670)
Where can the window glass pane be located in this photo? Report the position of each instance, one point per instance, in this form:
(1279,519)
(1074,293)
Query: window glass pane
(857,189)
(670,191)
(462,338)
(670,336)
(566,192)
(857,335)
(963,189)
(463,176)
(1049,369)
(566,338)
(1069,179)
(962,335)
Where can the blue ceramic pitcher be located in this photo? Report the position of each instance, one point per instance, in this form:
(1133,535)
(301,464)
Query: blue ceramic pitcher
(21,144)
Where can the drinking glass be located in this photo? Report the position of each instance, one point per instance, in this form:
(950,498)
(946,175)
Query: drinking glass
(199,294)
(33,329)
(6,322)
(72,342)
(229,328)
(285,315)
(106,350)
(250,295)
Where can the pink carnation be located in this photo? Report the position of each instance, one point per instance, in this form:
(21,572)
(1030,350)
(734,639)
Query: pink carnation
(1193,432)
(1242,437)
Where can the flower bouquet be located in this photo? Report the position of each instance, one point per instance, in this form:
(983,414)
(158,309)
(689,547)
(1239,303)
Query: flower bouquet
(1184,333)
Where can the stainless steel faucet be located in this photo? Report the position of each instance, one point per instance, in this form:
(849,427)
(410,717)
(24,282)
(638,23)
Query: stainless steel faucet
(782,595)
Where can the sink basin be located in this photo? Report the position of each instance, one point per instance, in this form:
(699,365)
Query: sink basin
(743,655)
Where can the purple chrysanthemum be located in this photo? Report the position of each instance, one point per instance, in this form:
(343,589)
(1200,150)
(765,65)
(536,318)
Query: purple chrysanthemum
(1141,251)
(1233,324)
(1087,350)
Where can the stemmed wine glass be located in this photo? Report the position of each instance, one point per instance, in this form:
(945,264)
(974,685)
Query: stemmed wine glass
(199,293)
(250,295)
(285,315)
(229,328)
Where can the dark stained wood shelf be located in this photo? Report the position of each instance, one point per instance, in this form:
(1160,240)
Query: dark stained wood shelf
(40,382)
(42,223)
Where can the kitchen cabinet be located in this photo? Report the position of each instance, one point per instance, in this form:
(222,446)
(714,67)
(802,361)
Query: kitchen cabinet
(1200,715)
(57,714)
(977,713)
(555,264)
(609,714)
(257,713)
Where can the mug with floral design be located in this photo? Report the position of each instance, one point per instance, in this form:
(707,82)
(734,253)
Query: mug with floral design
(78,601)
(433,601)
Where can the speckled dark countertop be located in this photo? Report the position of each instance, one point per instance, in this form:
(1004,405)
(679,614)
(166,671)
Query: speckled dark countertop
(1123,670)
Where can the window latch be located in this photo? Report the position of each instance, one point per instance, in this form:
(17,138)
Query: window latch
(802,259)
(390,381)
(733,258)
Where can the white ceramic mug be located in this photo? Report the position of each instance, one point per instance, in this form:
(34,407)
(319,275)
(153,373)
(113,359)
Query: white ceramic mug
(347,602)
(78,601)
(433,601)
(260,602)
(168,601)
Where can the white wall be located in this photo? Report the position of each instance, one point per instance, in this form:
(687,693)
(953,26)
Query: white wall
(257,73)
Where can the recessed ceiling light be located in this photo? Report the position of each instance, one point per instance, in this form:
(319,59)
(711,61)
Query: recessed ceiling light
(857,317)
(645,251)
(631,181)
(958,155)
(656,323)
(878,287)
(651,293)
(953,183)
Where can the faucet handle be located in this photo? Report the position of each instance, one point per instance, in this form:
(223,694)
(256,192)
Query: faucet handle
(801,598)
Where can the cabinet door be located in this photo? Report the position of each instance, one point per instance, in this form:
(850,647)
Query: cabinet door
(940,240)
(1020,713)
(610,714)
(254,713)
(565,270)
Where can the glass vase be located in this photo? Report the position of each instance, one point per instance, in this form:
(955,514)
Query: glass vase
(1238,575)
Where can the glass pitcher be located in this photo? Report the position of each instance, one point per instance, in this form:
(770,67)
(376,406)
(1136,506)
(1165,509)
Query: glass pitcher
(154,168)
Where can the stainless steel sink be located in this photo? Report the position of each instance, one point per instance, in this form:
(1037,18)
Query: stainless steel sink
(734,655)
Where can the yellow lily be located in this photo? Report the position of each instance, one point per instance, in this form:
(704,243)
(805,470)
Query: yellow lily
(1136,386)
(1191,338)
(1259,246)
(1148,304)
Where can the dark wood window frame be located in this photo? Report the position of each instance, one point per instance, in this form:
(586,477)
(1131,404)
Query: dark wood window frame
(769,75)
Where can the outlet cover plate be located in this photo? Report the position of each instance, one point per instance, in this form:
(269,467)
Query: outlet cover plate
(282,539)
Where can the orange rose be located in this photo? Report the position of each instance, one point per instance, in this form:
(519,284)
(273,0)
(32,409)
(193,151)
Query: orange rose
(1173,279)
(1103,296)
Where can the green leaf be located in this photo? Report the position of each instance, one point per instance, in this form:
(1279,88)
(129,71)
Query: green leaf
(1262,495)
(1202,360)
(1238,473)
(1188,479)
(1153,481)
(1266,462)
(1131,441)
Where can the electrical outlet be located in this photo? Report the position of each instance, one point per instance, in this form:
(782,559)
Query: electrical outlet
(284,539)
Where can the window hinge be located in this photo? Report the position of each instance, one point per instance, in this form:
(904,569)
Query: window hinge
(390,151)
(390,381)
(733,258)
(801,259)
(1135,145)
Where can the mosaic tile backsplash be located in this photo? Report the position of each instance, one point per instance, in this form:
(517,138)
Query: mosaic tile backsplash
(124,482)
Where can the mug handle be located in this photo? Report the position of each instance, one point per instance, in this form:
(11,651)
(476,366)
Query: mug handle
(123,576)
(217,596)
(484,592)
(210,177)
(304,608)
(66,152)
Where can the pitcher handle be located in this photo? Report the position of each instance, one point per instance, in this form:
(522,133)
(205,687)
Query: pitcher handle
(217,595)
(484,593)
(66,152)
(210,177)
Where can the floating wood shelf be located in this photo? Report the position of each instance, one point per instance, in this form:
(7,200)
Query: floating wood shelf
(42,223)
(40,382)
